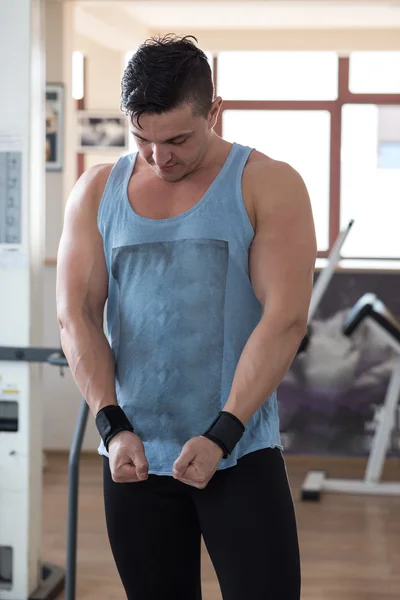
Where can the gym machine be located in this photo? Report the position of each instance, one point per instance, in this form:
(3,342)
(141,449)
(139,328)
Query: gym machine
(22,252)
(369,309)
(52,578)
(323,281)
(15,551)
(327,273)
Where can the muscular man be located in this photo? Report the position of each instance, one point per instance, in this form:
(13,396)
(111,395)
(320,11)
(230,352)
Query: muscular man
(204,251)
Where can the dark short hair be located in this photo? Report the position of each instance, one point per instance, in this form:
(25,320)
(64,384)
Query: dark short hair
(163,74)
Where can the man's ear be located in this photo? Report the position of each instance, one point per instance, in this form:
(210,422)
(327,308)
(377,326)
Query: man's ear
(214,112)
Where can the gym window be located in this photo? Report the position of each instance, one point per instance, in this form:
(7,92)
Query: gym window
(300,137)
(335,119)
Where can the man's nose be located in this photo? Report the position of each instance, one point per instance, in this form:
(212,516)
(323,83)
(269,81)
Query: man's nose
(161,155)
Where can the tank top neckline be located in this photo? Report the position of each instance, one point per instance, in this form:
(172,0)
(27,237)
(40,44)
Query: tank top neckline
(199,203)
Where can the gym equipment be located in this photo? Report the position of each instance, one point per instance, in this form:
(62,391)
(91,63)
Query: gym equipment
(14,422)
(22,252)
(323,281)
(53,578)
(327,273)
(290,413)
(368,309)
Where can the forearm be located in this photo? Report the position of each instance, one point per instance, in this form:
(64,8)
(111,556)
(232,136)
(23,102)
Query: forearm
(90,359)
(263,364)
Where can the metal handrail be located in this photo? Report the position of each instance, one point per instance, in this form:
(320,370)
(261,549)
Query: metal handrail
(73,489)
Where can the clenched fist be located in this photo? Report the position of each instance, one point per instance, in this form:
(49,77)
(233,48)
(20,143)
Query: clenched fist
(197,462)
(128,462)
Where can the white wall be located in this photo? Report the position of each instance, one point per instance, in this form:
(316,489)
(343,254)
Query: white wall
(54,74)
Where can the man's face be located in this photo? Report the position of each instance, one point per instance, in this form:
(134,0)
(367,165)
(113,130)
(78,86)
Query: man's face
(173,143)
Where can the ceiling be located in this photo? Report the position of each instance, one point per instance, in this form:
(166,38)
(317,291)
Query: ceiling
(115,22)
(254,14)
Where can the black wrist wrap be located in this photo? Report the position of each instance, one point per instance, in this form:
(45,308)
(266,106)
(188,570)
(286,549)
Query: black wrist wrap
(226,431)
(110,420)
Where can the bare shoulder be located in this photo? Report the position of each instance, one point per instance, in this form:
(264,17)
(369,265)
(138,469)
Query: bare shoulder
(273,186)
(262,164)
(90,186)
(98,172)
(80,217)
(270,175)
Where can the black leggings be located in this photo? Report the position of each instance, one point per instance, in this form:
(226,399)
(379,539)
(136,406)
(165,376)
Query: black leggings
(245,515)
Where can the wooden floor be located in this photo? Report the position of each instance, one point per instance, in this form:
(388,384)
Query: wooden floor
(350,545)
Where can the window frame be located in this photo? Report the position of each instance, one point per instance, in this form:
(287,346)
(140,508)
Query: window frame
(334,107)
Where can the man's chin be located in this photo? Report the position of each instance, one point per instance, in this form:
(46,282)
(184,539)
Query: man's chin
(173,174)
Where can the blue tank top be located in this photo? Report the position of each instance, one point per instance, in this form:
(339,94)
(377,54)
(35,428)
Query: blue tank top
(180,310)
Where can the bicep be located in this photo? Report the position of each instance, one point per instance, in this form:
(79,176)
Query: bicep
(283,253)
(82,278)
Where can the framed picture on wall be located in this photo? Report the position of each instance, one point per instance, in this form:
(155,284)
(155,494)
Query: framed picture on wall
(102,132)
(54,126)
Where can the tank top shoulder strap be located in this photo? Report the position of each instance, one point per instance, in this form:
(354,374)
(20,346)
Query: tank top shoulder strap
(115,190)
(231,184)
(234,167)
